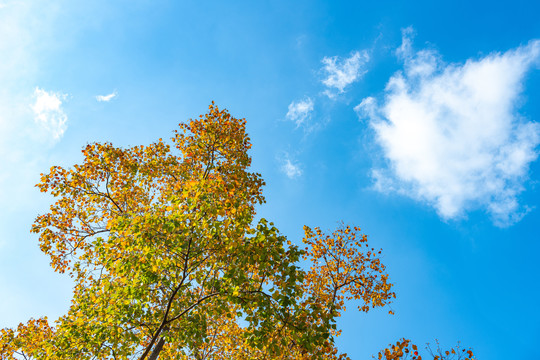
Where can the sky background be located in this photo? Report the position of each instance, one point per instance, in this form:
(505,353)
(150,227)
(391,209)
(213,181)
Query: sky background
(415,120)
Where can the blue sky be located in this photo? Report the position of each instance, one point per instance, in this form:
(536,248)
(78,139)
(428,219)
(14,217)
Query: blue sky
(416,121)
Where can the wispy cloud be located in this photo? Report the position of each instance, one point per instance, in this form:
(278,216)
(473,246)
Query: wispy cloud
(342,72)
(290,168)
(108,97)
(48,112)
(300,111)
(451,132)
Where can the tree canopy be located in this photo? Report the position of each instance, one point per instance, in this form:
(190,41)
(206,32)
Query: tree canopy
(169,262)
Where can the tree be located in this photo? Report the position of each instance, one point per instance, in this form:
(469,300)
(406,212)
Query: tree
(168,262)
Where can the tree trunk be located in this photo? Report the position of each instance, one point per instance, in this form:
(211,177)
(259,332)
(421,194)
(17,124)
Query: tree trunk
(157,349)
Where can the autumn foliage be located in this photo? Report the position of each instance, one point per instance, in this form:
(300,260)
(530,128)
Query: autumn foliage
(405,350)
(168,260)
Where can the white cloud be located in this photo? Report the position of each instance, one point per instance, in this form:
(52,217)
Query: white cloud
(107,98)
(341,73)
(48,112)
(451,132)
(289,168)
(300,111)
(406,50)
